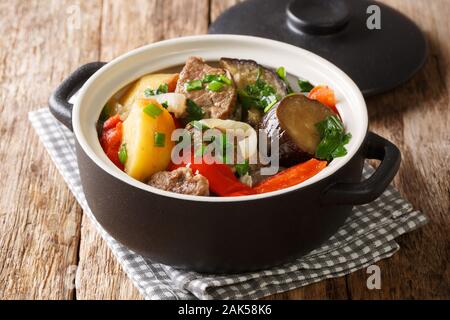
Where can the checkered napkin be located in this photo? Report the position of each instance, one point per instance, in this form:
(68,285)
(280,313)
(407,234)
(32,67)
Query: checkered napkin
(367,237)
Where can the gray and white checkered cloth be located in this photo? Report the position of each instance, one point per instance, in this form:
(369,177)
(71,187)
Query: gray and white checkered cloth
(367,237)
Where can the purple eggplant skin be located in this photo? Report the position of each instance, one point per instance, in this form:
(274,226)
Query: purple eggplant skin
(292,121)
(245,72)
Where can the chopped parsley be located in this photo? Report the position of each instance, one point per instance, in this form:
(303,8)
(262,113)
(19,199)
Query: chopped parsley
(163,88)
(165,104)
(261,95)
(333,139)
(305,86)
(242,168)
(194,111)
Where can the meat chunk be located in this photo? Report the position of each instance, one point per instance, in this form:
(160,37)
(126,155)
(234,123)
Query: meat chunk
(181,180)
(215,104)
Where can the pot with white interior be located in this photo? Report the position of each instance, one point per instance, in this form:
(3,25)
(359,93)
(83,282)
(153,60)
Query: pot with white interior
(216,234)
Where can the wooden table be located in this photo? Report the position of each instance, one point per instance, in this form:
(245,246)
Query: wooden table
(45,240)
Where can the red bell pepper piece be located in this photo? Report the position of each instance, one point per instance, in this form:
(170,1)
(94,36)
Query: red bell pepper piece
(111,139)
(178,123)
(291,176)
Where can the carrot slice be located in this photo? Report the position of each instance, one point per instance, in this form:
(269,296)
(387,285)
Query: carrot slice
(172,85)
(292,176)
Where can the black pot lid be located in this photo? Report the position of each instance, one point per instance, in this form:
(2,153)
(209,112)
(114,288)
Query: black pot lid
(376,59)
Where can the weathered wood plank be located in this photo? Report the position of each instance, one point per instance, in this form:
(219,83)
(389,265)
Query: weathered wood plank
(127,25)
(99,275)
(39,218)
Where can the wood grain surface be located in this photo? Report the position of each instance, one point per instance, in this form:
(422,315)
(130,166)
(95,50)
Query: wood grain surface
(49,250)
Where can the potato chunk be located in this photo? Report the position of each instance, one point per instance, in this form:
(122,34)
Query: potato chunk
(147,138)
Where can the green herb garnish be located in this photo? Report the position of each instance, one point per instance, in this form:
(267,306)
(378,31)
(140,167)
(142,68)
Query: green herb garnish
(223,78)
(333,139)
(246,100)
(242,168)
(217,77)
(194,111)
(159,139)
(215,86)
(260,95)
(149,92)
(305,86)
(123,155)
(281,72)
(210,77)
(194,85)
(152,110)
(270,105)
(163,88)
(165,104)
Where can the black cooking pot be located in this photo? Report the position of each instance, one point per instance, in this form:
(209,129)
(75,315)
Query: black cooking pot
(212,234)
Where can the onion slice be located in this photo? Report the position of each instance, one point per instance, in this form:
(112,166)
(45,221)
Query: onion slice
(176,103)
(247,140)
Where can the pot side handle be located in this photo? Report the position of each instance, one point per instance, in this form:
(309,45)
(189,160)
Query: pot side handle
(370,189)
(59,103)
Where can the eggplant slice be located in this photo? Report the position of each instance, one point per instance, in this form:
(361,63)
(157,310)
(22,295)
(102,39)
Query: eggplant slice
(295,117)
(245,72)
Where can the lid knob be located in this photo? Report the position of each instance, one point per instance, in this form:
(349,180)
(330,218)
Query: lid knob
(317,16)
